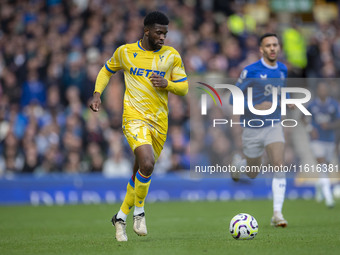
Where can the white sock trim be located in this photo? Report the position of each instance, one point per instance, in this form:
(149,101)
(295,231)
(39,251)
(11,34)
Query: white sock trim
(138,210)
(121,215)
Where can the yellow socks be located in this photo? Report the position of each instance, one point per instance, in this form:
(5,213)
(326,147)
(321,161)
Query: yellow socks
(129,199)
(142,184)
(136,192)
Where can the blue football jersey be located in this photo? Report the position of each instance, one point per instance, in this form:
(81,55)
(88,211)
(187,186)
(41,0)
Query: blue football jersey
(324,112)
(262,78)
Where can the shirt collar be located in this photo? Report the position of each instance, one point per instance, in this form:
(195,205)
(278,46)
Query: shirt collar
(268,66)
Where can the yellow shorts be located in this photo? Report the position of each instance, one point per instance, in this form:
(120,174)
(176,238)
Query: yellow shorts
(138,132)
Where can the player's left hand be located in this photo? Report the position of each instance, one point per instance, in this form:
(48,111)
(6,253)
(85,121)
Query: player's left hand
(314,134)
(325,126)
(158,81)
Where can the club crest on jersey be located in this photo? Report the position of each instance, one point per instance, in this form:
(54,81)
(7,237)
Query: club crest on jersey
(282,76)
(135,54)
(161,57)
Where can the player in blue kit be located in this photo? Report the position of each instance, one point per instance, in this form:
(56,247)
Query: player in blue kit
(263,132)
(324,120)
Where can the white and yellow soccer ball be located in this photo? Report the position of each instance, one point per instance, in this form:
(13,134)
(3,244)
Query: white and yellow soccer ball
(243,227)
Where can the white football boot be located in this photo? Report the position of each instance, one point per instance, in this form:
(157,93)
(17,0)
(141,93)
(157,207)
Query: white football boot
(139,224)
(120,226)
(278,221)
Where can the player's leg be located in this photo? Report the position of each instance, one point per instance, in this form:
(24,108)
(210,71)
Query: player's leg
(324,157)
(324,183)
(255,164)
(275,152)
(137,134)
(149,156)
(324,151)
(326,190)
(129,200)
(253,148)
(274,144)
(119,220)
(146,162)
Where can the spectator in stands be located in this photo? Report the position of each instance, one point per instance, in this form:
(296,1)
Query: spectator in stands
(31,160)
(94,158)
(116,165)
(33,90)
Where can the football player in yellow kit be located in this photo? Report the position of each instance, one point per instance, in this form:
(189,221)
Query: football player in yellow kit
(151,70)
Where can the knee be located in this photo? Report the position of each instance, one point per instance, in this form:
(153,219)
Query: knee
(277,162)
(253,174)
(146,166)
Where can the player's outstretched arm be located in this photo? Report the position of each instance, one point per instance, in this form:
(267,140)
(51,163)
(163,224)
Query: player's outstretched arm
(331,125)
(178,88)
(101,82)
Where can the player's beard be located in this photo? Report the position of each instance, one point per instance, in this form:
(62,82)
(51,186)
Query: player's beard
(153,44)
(271,59)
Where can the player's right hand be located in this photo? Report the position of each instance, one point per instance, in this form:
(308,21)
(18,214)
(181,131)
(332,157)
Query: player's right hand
(95,102)
(158,81)
(314,134)
(266,105)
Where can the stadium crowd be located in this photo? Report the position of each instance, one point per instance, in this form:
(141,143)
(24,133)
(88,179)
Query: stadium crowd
(51,52)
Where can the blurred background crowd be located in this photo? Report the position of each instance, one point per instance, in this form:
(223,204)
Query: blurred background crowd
(52,50)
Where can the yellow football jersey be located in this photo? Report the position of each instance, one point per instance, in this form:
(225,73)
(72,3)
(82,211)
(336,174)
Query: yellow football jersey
(142,100)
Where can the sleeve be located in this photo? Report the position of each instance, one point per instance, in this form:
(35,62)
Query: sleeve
(111,67)
(285,72)
(242,83)
(178,83)
(335,123)
(309,107)
(102,80)
(337,107)
(178,72)
(114,63)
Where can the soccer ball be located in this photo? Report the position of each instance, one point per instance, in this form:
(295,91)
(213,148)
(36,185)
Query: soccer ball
(243,227)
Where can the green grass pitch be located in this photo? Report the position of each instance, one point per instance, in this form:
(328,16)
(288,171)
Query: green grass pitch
(174,228)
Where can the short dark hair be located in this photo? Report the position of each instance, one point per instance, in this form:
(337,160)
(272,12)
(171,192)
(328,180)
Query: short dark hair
(156,17)
(267,35)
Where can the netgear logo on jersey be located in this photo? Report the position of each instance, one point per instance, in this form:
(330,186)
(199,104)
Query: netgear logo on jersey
(145,72)
(239,105)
